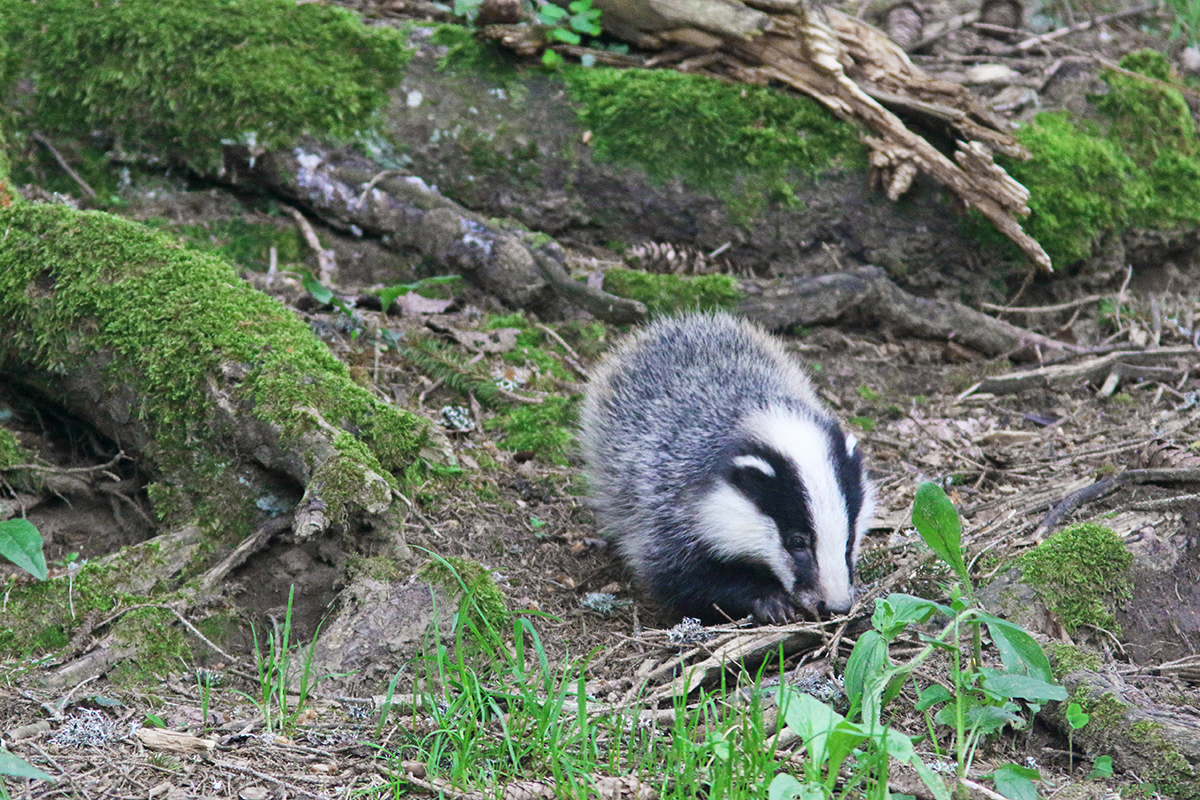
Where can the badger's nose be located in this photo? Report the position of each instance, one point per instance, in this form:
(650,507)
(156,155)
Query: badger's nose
(826,610)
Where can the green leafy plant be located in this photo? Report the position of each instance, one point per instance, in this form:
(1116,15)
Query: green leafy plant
(1186,21)
(569,25)
(979,700)
(21,543)
(390,294)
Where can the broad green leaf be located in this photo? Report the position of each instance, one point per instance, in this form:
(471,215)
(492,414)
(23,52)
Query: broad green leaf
(989,719)
(1019,652)
(1101,768)
(323,294)
(936,519)
(1024,687)
(824,731)
(1016,782)
(894,613)
(1076,716)
(786,787)
(12,766)
(932,695)
(21,544)
(869,658)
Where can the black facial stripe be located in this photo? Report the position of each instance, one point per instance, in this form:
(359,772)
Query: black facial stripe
(848,469)
(781,497)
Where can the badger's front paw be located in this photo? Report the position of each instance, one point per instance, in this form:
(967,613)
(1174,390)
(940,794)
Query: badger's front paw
(775,609)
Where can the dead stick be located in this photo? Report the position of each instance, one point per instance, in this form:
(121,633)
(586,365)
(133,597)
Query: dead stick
(325,262)
(1106,487)
(62,162)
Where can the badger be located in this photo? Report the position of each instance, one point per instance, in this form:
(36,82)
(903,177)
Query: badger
(727,487)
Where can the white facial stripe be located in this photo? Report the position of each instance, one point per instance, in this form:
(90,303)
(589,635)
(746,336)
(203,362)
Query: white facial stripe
(754,462)
(806,444)
(851,443)
(735,529)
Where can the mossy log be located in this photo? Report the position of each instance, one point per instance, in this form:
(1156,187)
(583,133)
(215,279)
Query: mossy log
(225,398)
(1158,743)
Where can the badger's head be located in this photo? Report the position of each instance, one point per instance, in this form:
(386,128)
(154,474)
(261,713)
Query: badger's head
(791,497)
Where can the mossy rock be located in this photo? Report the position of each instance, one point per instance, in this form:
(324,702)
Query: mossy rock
(1081,573)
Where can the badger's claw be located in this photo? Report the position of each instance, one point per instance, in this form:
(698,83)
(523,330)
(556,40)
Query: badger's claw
(775,609)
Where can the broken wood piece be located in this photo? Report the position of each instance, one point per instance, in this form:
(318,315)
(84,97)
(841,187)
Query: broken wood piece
(174,741)
(804,52)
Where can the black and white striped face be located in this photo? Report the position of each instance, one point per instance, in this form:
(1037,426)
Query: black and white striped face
(793,500)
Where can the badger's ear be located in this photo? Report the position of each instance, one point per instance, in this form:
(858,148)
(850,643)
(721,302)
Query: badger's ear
(851,444)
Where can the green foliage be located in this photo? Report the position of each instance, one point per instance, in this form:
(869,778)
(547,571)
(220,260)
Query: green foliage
(668,294)
(569,25)
(280,677)
(546,428)
(482,609)
(14,767)
(21,543)
(744,143)
(936,520)
(1077,183)
(1186,21)
(1081,573)
(187,74)
(467,55)
(976,700)
(245,244)
(1146,118)
(453,369)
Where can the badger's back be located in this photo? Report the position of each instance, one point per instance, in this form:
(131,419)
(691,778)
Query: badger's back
(708,456)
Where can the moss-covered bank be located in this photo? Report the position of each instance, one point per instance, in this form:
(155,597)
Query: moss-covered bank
(1135,165)
(185,75)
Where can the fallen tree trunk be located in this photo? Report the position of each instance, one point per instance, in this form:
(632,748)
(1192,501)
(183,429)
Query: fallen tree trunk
(215,389)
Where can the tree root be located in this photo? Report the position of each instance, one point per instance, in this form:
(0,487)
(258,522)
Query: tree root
(867,295)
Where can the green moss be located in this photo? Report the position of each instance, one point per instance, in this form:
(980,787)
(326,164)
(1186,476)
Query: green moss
(467,55)
(1075,180)
(187,74)
(1081,573)
(666,294)
(1065,659)
(157,320)
(1147,118)
(160,648)
(746,144)
(1168,768)
(546,428)
(1138,168)
(11,452)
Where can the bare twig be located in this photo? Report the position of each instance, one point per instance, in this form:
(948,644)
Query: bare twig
(325,263)
(62,162)
(1106,487)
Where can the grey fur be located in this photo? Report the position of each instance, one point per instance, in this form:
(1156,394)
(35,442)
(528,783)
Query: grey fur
(668,418)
